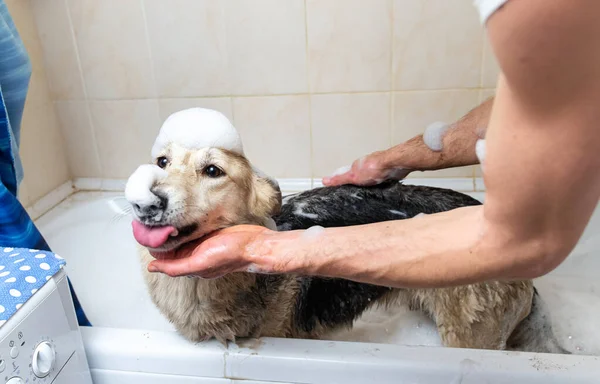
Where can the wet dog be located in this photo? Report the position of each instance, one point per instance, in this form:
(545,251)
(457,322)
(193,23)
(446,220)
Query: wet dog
(200,181)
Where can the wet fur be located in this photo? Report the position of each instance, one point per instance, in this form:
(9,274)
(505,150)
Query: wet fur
(493,315)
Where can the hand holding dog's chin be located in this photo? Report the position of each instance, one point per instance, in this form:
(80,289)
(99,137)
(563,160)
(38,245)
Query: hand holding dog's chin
(234,249)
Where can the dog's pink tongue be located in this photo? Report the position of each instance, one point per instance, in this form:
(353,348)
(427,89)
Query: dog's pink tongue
(152,237)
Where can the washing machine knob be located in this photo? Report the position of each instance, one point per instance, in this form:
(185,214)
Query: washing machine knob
(16,380)
(43,359)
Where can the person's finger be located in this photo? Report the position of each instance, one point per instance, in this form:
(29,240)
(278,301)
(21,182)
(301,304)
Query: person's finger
(176,267)
(344,178)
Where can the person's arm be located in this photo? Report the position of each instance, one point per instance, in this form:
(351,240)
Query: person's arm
(458,150)
(541,176)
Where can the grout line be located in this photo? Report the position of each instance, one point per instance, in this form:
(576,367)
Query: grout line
(310,122)
(285,94)
(147,33)
(43,205)
(85,90)
(392,77)
(482,61)
(225,17)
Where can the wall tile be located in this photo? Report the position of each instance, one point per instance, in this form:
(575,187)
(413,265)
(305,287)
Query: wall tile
(349,45)
(42,150)
(266,46)
(437,44)
(188,45)
(169,106)
(275,131)
(24,196)
(485,94)
(113,48)
(80,142)
(125,130)
(346,127)
(414,111)
(490,67)
(60,53)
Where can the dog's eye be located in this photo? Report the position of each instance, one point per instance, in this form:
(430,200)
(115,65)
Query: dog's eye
(213,171)
(162,162)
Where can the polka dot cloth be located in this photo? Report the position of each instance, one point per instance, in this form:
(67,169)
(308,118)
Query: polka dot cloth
(22,273)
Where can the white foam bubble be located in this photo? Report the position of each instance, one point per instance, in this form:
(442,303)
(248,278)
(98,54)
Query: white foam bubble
(197,128)
(341,170)
(393,325)
(574,307)
(434,135)
(137,189)
(480,151)
(313,232)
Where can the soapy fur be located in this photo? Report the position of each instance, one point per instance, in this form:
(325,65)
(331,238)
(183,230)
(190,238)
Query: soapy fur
(251,304)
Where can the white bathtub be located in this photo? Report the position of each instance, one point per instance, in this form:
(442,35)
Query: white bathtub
(131,342)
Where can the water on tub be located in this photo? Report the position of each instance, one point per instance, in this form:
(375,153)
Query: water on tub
(88,230)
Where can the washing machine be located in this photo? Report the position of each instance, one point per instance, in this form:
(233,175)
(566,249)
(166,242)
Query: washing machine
(40,340)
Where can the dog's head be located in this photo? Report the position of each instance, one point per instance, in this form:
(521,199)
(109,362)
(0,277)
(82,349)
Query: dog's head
(199,182)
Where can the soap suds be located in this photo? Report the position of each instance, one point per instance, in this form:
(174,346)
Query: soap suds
(433,136)
(394,212)
(356,196)
(393,325)
(299,211)
(253,268)
(341,171)
(313,232)
(137,189)
(197,128)
(480,151)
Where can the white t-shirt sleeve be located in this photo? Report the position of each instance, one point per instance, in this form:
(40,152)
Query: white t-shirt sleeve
(487,8)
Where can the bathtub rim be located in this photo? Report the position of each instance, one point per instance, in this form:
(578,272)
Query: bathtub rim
(319,361)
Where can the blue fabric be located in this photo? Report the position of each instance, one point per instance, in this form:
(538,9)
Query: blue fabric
(22,273)
(16,227)
(15,72)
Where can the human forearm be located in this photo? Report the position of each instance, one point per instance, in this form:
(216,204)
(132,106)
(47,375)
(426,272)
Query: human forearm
(457,149)
(458,145)
(451,248)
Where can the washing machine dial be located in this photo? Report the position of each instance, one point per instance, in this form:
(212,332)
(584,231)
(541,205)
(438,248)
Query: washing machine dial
(16,380)
(44,358)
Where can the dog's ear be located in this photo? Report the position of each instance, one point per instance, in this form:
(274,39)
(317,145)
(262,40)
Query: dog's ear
(265,199)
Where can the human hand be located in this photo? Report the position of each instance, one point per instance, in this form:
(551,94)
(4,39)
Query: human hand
(366,171)
(228,250)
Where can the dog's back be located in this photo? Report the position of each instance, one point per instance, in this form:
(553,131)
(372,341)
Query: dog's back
(325,303)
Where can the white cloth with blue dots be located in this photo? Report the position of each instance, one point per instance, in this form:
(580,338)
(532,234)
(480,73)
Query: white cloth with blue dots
(22,273)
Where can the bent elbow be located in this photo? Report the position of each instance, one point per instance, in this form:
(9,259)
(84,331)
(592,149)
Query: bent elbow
(543,254)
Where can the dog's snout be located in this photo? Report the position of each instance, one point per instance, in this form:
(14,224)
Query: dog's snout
(153,208)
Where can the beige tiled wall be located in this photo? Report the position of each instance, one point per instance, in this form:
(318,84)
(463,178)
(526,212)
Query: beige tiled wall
(42,146)
(310,84)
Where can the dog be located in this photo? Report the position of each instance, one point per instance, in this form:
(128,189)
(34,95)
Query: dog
(200,181)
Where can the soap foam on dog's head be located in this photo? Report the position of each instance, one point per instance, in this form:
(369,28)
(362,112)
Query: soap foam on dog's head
(197,128)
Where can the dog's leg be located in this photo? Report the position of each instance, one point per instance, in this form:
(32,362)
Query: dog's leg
(479,316)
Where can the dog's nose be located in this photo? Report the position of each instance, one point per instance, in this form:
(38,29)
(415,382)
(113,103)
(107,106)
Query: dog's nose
(152,208)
